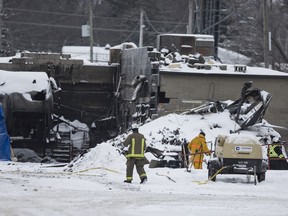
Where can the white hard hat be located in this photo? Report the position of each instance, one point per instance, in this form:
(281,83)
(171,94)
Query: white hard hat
(134,126)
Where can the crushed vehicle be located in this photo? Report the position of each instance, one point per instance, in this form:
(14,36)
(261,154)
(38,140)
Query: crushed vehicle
(238,154)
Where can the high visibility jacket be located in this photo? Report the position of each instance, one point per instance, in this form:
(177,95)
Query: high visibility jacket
(198,146)
(137,145)
(276,151)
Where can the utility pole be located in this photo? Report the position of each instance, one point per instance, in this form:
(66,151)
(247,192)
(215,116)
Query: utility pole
(201,24)
(265,32)
(91,29)
(191,13)
(141,27)
(1,23)
(216,27)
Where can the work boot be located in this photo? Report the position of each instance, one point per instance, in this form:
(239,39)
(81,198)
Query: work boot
(143,180)
(128,181)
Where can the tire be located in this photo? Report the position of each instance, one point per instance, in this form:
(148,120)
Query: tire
(261,176)
(255,176)
(211,172)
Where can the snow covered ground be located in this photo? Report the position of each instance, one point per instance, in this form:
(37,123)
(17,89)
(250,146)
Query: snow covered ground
(93,184)
(33,189)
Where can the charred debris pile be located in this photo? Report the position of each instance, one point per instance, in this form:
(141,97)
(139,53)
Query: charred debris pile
(247,111)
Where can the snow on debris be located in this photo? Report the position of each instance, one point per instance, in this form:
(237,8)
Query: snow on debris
(24,82)
(230,57)
(196,63)
(78,131)
(161,133)
(100,54)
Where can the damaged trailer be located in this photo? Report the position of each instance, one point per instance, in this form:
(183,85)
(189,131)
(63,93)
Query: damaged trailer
(27,100)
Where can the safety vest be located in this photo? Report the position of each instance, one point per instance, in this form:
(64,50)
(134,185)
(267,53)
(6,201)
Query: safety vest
(273,153)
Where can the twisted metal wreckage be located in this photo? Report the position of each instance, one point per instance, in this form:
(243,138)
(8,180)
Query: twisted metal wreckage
(248,110)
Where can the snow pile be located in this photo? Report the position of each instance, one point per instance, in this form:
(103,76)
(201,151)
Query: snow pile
(190,125)
(163,134)
(230,57)
(103,156)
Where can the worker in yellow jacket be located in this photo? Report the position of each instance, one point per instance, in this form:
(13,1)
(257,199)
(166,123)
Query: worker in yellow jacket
(198,148)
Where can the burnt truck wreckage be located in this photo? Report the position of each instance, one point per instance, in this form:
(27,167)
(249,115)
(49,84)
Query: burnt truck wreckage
(137,91)
(27,99)
(33,122)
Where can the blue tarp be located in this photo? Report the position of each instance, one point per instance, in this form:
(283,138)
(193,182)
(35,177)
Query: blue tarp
(4,139)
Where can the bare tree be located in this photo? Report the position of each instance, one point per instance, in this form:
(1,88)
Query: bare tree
(245,32)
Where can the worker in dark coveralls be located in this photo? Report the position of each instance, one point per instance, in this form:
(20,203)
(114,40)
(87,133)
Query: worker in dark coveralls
(135,155)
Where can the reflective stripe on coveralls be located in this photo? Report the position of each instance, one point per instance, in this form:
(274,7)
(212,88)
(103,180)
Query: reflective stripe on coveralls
(132,154)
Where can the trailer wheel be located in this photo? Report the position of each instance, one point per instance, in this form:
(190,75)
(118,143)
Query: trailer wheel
(255,175)
(261,176)
(211,172)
